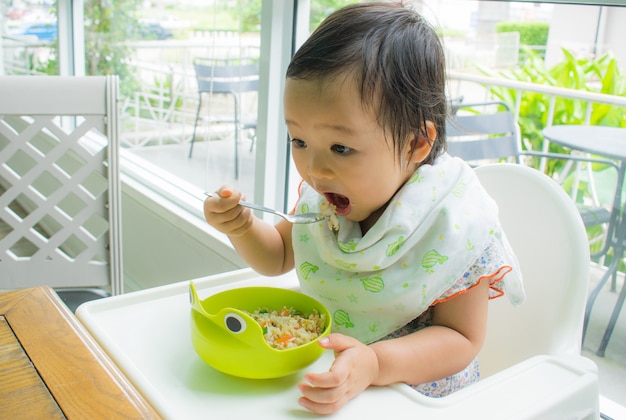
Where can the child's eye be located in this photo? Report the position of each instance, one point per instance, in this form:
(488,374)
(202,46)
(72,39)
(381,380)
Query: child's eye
(297,143)
(340,149)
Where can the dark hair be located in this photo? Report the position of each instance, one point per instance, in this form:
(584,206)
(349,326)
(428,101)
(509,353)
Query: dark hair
(397,59)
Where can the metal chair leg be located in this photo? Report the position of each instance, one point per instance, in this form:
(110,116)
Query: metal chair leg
(594,294)
(609,329)
(252,140)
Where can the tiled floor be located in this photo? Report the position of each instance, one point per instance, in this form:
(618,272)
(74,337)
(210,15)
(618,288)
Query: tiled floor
(212,165)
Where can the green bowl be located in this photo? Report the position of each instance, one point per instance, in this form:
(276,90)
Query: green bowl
(232,342)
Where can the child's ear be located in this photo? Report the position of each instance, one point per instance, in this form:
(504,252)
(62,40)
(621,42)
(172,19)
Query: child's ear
(420,146)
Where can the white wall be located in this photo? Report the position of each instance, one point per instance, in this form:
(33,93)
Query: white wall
(614,35)
(162,244)
(575,27)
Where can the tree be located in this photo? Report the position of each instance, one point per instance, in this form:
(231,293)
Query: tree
(249,11)
(108,25)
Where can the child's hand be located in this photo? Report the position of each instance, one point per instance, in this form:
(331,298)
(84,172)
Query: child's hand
(354,369)
(225,214)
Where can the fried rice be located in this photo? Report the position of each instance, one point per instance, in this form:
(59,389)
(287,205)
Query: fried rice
(288,327)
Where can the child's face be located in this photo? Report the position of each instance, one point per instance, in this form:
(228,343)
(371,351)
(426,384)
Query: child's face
(340,150)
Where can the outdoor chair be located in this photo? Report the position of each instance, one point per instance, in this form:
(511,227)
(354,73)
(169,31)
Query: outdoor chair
(230,78)
(486,132)
(60,214)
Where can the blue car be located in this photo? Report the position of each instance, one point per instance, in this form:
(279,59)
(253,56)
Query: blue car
(45,31)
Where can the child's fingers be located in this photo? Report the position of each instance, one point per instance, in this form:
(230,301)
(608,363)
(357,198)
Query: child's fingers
(225,192)
(338,342)
(330,379)
(225,199)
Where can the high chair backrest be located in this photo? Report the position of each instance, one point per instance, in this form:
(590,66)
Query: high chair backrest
(547,234)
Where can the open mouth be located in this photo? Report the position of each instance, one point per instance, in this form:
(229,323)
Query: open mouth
(341,203)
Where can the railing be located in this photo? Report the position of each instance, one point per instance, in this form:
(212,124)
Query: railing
(553,92)
(485,83)
(480,86)
(174,100)
(163,111)
(549,91)
(21,54)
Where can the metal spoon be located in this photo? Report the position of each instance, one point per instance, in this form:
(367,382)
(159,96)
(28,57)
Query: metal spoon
(291,218)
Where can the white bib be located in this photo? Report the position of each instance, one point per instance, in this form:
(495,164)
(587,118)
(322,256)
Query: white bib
(431,232)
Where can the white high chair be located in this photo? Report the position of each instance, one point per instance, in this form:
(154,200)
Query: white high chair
(548,237)
(531,363)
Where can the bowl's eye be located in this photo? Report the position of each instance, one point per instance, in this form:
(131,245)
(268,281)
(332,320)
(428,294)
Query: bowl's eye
(234,323)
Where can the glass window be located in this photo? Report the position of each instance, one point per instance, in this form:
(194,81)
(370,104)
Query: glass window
(204,137)
(523,41)
(153,46)
(28,38)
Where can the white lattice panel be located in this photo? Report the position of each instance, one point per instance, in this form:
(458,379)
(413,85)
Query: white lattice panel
(59,183)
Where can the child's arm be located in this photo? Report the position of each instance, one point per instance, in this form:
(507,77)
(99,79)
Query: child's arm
(266,248)
(445,348)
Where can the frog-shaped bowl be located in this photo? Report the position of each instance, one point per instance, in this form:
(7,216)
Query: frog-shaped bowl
(231,341)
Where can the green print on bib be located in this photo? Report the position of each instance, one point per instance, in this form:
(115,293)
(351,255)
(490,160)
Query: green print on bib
(345,265)
(342,318)
(347,246)
(373,284)
(393,247)
(306,268)
(459,189)
(409,258)
(305,208)
(424,292)
(416,177)
(432,258)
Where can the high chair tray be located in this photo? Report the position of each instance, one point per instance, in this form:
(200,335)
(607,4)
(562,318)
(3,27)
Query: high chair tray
(147,334)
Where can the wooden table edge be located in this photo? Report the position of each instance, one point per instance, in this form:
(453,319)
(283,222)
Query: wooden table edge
(45,327)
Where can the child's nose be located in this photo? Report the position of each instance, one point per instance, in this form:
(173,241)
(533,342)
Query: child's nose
(319,168)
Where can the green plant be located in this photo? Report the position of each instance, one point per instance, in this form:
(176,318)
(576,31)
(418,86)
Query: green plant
(320,9)
(107,26)
(249,15)
(530,33)
(600,75)
(163,96)
(249,12)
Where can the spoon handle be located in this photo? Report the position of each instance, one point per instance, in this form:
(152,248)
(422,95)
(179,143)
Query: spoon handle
(251,205)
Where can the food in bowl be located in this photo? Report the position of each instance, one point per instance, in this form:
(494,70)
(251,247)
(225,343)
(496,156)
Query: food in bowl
(226,336)
(287,327)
